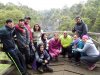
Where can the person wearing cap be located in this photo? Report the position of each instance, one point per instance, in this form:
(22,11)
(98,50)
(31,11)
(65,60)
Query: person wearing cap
(10,48)
(27,25)
(66,41)
(80,27)
(23,40)
(90,53)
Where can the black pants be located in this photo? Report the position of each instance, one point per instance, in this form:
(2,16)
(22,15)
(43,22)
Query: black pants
(76,56)
(32,52)
(35,45)
(89,60)
(17,58)
(67,50)
(26,52)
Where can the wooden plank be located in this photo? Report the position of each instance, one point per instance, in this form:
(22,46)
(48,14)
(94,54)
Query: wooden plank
(5,62)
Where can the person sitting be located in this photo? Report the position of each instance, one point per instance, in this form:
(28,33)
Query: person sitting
(54,47)
(44,40)
(91,54)
(42,59)
(66,41)
(77,43)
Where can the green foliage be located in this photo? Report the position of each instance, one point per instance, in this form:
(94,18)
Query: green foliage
(55,19)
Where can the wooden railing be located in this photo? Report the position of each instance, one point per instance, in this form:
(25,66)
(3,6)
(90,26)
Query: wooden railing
(95,38)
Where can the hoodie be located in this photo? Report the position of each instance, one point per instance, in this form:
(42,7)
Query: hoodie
(90,49)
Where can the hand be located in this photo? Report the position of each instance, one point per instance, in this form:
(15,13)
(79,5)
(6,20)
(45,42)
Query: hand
(45,61)
(26,46)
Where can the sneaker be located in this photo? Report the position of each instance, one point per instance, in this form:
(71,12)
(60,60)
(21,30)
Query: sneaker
(92,67)
(29,66)
(40,70)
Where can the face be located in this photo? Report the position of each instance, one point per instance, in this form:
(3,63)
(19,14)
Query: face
(37,27)
(56,36)
(11,25)
(21,24)
(78,20)
(84,40)
(65,34)
(75,37)
(27,21)
(45,36)
(41,48)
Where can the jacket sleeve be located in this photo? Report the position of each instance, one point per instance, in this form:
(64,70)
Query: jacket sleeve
(27,37)
(85,29)
(38,59)
(86,46)
(1,33)
(73,30)
(47,55)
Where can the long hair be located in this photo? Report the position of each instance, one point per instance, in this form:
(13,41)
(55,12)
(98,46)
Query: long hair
(42,37)
(38,26)
(38,47)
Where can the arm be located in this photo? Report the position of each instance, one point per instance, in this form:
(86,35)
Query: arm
(47,55)
(27,37)
(85,29)
(73,30)
(37,58)
(1,33)
(86,47)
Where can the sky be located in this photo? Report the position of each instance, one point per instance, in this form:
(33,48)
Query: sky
(44,4)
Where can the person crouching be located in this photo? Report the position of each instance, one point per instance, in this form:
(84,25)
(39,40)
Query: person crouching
(42,59)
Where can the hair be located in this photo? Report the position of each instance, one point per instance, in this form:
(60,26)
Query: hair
(42,36)
(9,21)
(38,26)
(77,17)
(27,17)
(21,20)
(38,47)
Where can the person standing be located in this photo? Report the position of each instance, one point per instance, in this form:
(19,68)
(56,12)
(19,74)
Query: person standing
(10,48)
(37,32)
(23,40)
(80,27)
(27,25)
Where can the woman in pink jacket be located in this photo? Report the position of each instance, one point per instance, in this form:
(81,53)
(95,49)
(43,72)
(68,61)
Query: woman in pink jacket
(54,46)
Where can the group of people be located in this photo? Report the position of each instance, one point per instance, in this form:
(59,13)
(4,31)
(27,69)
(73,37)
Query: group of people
(27,46)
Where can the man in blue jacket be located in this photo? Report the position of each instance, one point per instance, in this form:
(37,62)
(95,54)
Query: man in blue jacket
(9,46)
(80,27)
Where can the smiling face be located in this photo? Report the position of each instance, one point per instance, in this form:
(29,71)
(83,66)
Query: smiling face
(10,24)
(21,24)
(27,21)
(42,48)
(78,20)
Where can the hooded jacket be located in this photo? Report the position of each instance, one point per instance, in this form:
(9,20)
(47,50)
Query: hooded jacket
(90,49)
(7,37)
